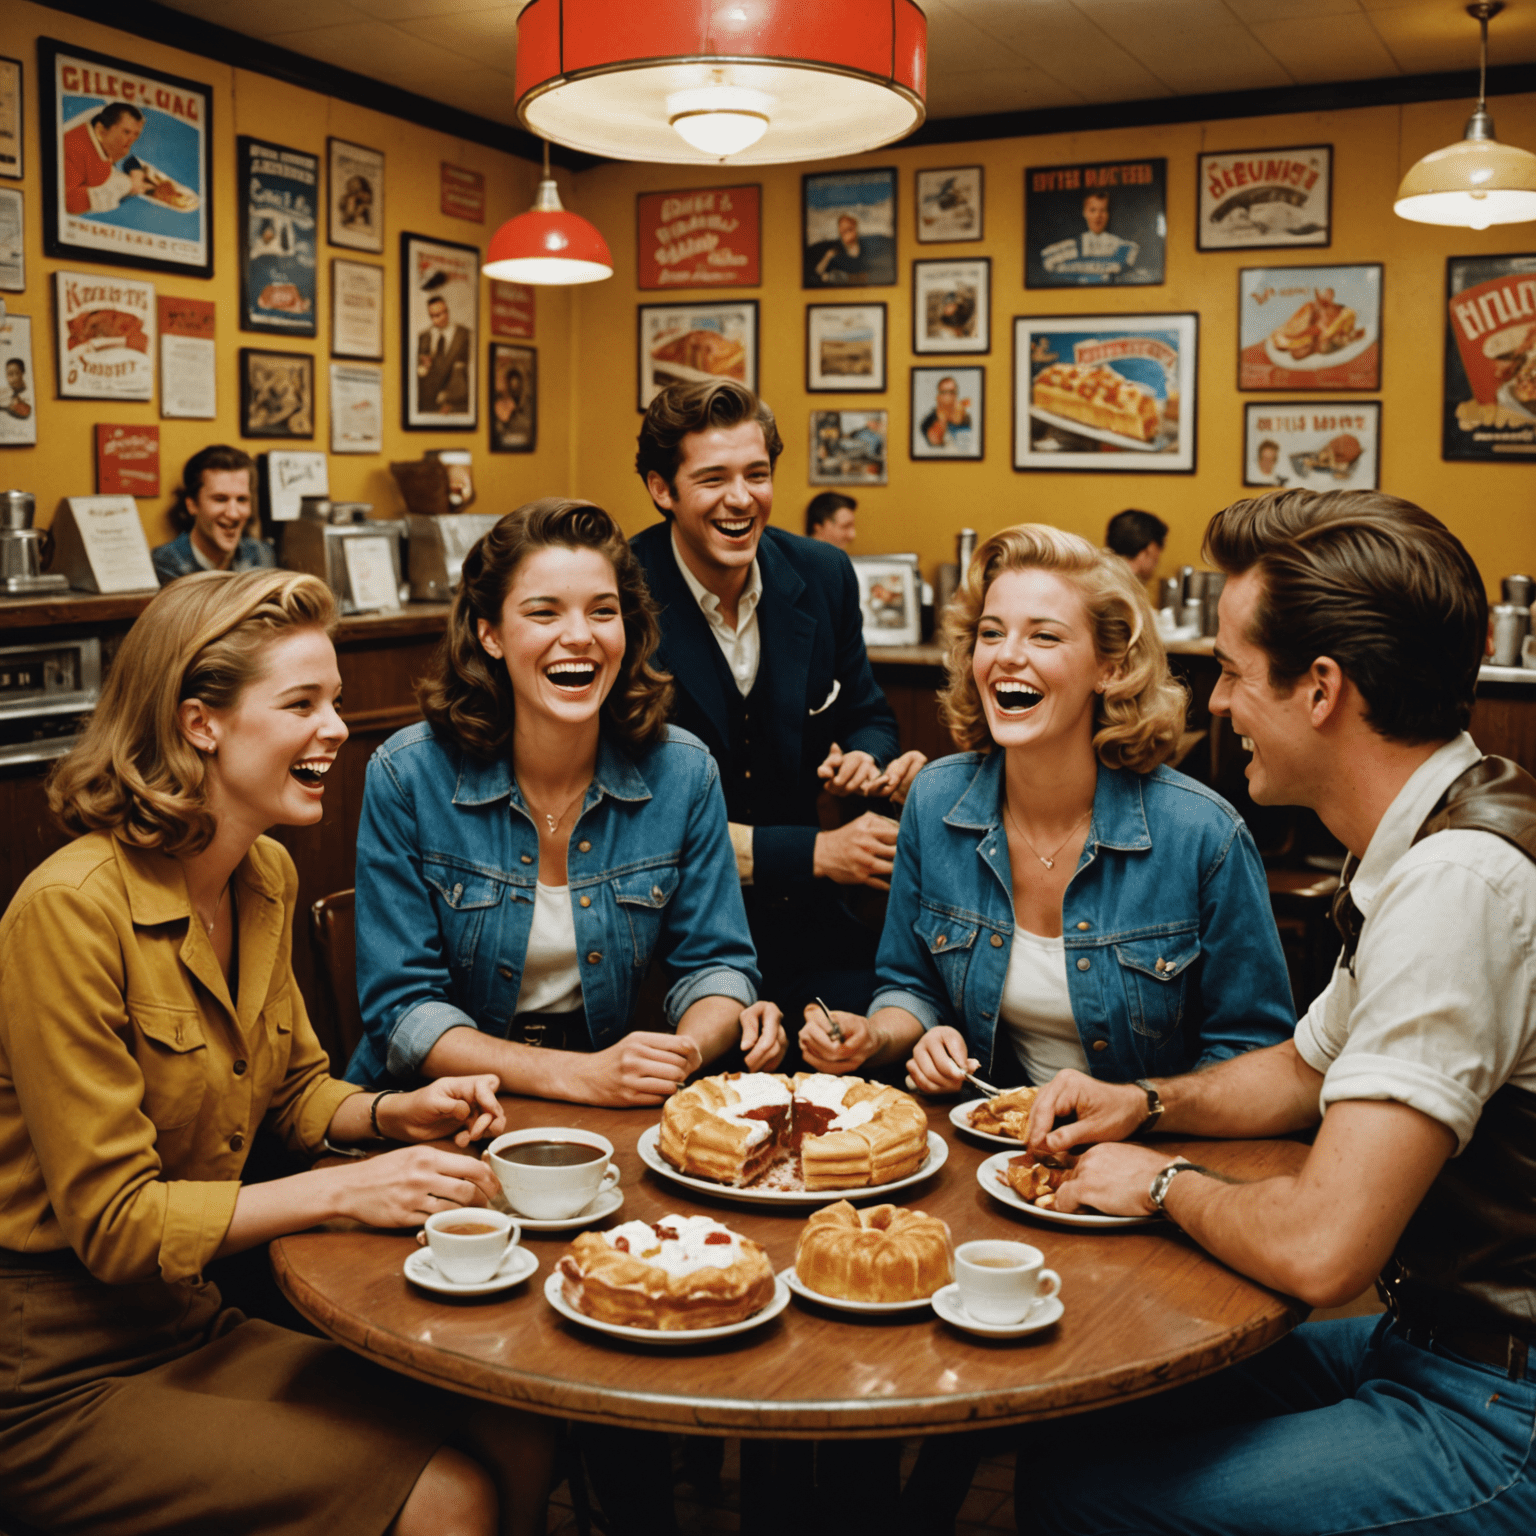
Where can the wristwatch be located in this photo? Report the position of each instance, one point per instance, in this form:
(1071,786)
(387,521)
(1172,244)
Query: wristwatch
(1158,1190)
(1154,1108)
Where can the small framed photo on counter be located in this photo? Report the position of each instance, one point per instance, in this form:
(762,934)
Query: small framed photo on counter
(514,375)
(949,413)
(849,447)
(277,394)
(952,306)
(845,349)
(888,599)
(949,205)
(1312,445)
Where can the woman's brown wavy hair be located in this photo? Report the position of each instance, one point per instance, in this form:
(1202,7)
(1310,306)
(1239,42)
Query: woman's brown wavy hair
(1140,715)
(467,695)
(204,637)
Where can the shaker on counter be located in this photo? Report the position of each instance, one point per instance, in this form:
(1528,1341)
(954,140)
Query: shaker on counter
(950,574)
(1518,589)
(1511,624)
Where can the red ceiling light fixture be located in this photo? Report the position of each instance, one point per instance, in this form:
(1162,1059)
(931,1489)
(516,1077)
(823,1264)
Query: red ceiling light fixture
(755,82)
(548,246)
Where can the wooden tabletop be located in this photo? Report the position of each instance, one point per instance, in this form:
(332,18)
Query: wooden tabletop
(1145,1310)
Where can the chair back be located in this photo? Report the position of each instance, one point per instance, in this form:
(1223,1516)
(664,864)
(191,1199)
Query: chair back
(333,932)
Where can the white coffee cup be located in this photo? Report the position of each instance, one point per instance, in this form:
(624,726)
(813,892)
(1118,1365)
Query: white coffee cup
(1001,1282)
(468,1257)
(552,1191)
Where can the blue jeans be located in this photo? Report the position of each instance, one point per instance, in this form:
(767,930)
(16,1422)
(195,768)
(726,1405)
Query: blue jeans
(1341,1427)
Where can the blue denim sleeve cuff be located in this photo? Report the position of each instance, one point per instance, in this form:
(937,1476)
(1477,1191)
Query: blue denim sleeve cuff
(417,1032)
(919,1007)
(718,981)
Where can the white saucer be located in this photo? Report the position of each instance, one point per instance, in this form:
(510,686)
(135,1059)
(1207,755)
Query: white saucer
(987,1176)
(946,1303)
(516,1266)
(842,1303)
(960,1118)
(555,1296)
(607,1202)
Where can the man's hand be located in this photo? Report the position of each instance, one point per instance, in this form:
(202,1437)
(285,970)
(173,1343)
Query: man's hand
(464,1109)
(860,1041)
(1114,1178)
(762,1036)
(897,779)
(847,773)
(1074,1109)
(940,1061)
(642,1068)
(861,853)
(137,183)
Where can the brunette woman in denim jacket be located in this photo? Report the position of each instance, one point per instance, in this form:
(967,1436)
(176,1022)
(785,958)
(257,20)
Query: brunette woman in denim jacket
(524,853)
(1060,899)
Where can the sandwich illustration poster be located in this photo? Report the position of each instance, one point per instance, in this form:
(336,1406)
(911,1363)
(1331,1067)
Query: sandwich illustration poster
(1309,328)
(1490,359)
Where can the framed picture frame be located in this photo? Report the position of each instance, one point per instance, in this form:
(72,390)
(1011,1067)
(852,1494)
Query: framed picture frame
(1312,445)
(106,329)
(1309,328)
(691,342)
(514,376)
(889,600)
(13,119)
(1106,393)
(949,413)
(1099,224)
(703,237)
(848,229)
(357,309)
(845,349)
(189,359)
(849,448)
(155,213)
(354,196)
(1488,404)
(277,394)
(287,476)
(18,383)
(279,234)
(949,205)
(514,311)
(439,334)
(13,241)
(952,306)
(357,408)
(1264,199)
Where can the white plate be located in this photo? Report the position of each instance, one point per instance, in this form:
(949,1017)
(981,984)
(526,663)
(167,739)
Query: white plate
(516,1266)
(946,1303)
(1318,360)
(1099,434)
(605,1205)
(650,1155)
(960,1118)
(987,1177)
(554,1295)
(842,1303)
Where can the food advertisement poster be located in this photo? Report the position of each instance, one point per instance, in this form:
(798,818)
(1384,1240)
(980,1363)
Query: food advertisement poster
(849,447)
(188,361)
(948,413)
(106,336)
(357,309)
(1490,359)
(12,120)
(354,185)
(357,408)
(513,310)
(1091,226)
(514,399)
(279,221)
(277,394)
(1313,445)
(693,342)
(952,306)
(1105,392)
(708,237)
(126,163)
(845,349)
(848,229)
(127,460)
(18,394)
(1259,199)
(13,247)
(1309,328)
(440,317)
(949,205)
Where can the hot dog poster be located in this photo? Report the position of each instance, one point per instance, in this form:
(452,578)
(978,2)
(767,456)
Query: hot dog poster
(1312,445)
(1490,359)
(106,336)
(279,213)
(696,342)
(1307,328)
(1255,199)
(126,162)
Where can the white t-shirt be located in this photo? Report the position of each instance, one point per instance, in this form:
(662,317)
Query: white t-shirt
(551,972)
(1037,1007)
(1441,1010)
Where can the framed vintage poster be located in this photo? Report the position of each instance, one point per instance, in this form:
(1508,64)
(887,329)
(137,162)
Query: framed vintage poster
(949,205)
(690,342)
(514,307)
(106,336)
(1105,393)
(18,391)
(1313,445)
(707,237)
(888,599)
(127,460)
(461,193)
(1489,408)
(440,324)
(357,408)
(354,188)
(188,359)
(13,120)
(514,375)
(952,306)
(849,447)
(1096,225)
(357,309)
(948,413)
(127,164)
(1309,328)
(1265,199)
(277,394)
(279,211)
(13,242)
(844,349)
(848,229)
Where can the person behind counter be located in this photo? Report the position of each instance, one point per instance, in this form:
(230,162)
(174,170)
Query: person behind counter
(1138,538)
(212,510)
(830,518)
(150,1025)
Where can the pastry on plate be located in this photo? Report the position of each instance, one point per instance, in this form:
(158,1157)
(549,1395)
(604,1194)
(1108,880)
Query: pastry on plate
(1033,1182)
(884,1254)
(1006,1114)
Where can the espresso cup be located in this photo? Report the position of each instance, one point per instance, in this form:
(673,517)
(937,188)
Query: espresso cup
(547,1185)
(469,1244)
(1001,1282)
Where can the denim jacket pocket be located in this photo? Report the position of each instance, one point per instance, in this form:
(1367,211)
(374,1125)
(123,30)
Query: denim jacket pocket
(172,1061)
(466,895)
(1154,973)
(949,942)
(643,898)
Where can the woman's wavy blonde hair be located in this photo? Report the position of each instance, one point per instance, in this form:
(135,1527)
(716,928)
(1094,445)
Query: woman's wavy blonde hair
(203,637)
(1140,715)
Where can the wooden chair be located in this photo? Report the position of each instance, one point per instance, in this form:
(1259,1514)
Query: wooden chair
(333,932)
(1302,900)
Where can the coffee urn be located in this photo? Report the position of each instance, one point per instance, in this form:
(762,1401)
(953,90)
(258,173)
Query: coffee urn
(25,550)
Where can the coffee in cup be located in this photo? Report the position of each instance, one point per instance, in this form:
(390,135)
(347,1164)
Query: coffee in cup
(550,1173)
(1000,1281)
(468,1245)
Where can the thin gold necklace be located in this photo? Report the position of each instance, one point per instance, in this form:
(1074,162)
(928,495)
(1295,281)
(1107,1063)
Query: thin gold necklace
(553,822)
(217,907)
(1050,863)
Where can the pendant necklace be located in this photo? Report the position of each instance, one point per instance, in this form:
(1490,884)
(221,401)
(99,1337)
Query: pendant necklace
(553,822)
(216,908)
(1050,863)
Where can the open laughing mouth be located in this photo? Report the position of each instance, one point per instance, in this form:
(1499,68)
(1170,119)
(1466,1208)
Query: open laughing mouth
(312,771)
(736,529)
(1015,698)
(573,676)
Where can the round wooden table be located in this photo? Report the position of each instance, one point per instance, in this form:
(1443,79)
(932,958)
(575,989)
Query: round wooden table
(1145,1310)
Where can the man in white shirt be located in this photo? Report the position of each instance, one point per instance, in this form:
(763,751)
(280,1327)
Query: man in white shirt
(1352,627)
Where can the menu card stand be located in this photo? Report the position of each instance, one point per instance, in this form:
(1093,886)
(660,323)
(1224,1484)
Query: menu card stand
(99,544)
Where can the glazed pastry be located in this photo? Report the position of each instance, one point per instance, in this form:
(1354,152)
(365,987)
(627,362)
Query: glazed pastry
(884,1254)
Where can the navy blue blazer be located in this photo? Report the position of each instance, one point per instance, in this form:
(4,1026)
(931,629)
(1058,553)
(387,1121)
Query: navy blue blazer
(823,689)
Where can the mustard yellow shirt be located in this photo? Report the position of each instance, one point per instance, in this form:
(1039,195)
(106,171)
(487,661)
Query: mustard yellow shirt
(131,1083)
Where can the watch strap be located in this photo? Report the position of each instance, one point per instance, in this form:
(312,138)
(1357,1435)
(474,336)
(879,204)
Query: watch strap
(1154,1108)
(1157,1191)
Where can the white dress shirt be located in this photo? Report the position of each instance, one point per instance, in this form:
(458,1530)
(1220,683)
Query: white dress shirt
(1441,1010)
(741,646)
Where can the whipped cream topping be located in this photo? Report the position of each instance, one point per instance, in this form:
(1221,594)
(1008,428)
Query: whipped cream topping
(754,1090)
(826,1092)
(688,1247)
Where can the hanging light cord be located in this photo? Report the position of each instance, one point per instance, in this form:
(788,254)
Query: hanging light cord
(1480,124)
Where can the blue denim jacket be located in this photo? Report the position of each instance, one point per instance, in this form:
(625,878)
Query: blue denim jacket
(178,558)
(1173,960)
(447,863)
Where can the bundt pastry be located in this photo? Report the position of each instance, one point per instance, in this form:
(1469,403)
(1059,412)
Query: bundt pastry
(682,1272)
(1033,1182)
(886,1253)
(1005,1115)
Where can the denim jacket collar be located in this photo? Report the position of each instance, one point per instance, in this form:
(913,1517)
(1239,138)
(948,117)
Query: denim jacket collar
(481,783)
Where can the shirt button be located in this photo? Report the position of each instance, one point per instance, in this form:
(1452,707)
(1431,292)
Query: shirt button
(1083,965)
(239,1069)
(748,774)
(586,901)
(1082,927)
(593,957)
(505,972)
(526,859)
(236,1142)
(1101,1045)
(997,941)
(584,846)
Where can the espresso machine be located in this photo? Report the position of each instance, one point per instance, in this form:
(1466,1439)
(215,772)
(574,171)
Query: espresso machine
(25,550)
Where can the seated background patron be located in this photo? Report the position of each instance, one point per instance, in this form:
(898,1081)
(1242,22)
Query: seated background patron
(830,518)
(1138,538)
(213,508)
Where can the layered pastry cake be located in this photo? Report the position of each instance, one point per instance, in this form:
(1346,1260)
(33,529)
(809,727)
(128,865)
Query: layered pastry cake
(885,1254)
(1097,397)
(678,1273)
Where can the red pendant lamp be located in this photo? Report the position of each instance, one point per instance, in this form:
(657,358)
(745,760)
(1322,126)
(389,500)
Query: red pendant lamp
(755,82)
(548,246)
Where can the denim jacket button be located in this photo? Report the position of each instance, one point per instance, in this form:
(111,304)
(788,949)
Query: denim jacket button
(593,957)
(1082,927)
(997,941)
(505,972)
(586,901)
(527,859)
(584,846)
(1101,1045)
(1084,963)
(655,893)
(941,941)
